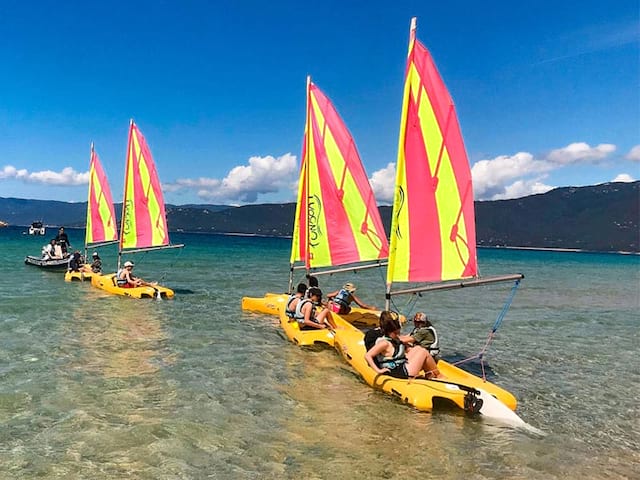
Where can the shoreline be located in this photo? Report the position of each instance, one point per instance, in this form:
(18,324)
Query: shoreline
(288,237)
(559,249)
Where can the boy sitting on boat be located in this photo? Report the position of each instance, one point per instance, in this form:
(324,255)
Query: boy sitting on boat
(96,264)
(424,334)
(125,278)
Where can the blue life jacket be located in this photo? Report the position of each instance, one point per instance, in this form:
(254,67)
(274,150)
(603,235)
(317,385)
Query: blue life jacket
(342,298)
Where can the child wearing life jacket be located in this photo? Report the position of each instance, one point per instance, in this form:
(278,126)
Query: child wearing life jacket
(292,301)
(340,300)
(424,334)
(389,356)
(306,313)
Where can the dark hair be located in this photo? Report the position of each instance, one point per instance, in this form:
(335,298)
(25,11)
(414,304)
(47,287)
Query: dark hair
(302,288)
(313,281)
(385,315)
(389,322)
(315,291)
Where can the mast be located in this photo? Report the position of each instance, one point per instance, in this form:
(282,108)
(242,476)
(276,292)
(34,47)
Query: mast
(309,128)
(405,99)
(87,223)
(124,195)
(302,182)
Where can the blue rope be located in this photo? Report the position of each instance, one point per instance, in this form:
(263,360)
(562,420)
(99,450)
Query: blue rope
(505,308)
(496,325)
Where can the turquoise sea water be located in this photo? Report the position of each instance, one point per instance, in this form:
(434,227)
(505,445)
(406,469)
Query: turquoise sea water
(102,387)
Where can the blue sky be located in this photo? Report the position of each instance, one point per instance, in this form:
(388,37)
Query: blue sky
(548,93)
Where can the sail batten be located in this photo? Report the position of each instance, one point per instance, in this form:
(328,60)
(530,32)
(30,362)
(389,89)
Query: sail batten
(337,220)
(433,224)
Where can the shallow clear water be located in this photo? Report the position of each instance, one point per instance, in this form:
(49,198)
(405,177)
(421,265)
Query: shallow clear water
(101,387)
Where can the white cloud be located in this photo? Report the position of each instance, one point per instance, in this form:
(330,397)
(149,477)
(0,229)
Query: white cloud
(9,171)
(522,188)
(522,174)
(244,183)
(490,177)
(580,152)
(624,177)
(67,177)
(383,182)
(634,154)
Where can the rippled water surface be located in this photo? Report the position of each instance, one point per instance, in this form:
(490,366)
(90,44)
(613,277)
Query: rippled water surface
(101,387)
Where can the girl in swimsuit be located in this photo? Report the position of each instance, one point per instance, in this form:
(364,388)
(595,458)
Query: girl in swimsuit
(396,360)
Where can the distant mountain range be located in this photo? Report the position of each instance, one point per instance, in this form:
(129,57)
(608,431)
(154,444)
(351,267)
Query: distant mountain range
(600,218)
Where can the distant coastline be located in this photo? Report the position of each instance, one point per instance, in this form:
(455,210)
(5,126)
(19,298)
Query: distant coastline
(597,218)
(288,237)
(559,250)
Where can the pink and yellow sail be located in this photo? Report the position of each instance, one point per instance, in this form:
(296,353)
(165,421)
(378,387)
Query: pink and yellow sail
(101,225)
(337,220)
(433,234)
(144,223)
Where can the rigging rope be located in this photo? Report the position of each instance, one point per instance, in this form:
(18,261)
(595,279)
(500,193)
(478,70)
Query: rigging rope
(171,265)
(496,325)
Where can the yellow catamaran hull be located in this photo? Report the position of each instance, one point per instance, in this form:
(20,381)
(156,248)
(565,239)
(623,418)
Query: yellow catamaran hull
(108,284)
(271,304)
(304,338)
(420,393)
(78,276)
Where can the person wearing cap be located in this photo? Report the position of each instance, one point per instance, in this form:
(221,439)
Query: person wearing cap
(424,335)
(340,300)
(126,279)
(96,264)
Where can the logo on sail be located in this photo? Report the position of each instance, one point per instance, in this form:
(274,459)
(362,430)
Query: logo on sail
(314,212)
(127,223)
(400,199)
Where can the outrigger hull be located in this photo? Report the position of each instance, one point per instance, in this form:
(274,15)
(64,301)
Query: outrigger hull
(108,284)
(304,338)
(272,303)
(269,304)
(421,393)
(78,276)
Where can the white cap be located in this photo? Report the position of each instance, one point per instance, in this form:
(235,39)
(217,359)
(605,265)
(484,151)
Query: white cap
(128,264)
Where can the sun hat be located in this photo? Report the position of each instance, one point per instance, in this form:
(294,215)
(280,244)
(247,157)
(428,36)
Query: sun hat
(128,264)
(349,287)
